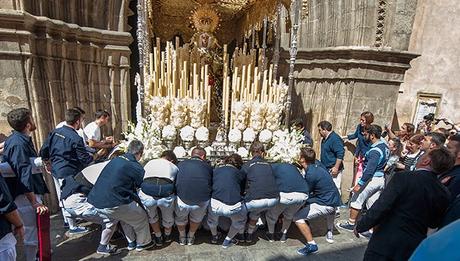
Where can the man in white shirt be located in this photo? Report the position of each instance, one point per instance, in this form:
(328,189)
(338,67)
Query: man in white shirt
(93,132)
(157,193)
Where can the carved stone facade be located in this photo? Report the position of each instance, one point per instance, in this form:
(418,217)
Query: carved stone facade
(59,54)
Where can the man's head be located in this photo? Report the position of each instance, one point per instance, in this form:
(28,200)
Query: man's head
(324,128)
(21,120)
(297,124)
(373,133)
(414,143)
(307,157)
(438,160)
(367,118)
(453,145)
(257,149)
(407,130)
(136,148)
(169,156)
(73,118)
(234,160)
(82,112)
(433,140)
(199,152)
(102,117)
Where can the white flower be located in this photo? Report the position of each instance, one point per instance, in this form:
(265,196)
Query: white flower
(180,152)
(243,152)
(240,115)
(179,112)
(208,150)
(257,118)
(234,135)
(197,112)
(187,133)
(169,132)
(202,134)
(265,136)
(249,135)
(286,146)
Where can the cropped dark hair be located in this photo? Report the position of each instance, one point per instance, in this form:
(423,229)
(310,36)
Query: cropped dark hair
(376,130)
(417,139)
(308,154)
(198,151)
(297,123)
(135,147)
(410,128)
(442,160)
(234,160)
(437,138)
(101,113)
(18,118)
(169,155)
(399,146)
(257,148)
(72,116)
(325,125)
(79,109)
(368,116)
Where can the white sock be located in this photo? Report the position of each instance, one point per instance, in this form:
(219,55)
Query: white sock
(228,238)
(158,234)
(312,242)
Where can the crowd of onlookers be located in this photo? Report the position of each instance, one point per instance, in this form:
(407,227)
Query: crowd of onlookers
(405,186)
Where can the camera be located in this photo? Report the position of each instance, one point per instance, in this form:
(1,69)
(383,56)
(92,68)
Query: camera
(429,117)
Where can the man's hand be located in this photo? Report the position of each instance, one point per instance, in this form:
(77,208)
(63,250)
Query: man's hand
(40,208)
(109,139)
(19,232)
(334,171)
(356,188)
(47,167)
(356,232)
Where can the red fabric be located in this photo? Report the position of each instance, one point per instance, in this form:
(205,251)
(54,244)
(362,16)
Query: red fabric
(44,242)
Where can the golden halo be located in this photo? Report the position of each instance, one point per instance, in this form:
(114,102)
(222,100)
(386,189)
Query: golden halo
(205,19)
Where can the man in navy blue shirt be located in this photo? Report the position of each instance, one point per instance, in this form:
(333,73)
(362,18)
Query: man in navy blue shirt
(299,126)
(65,150)
(115,195)
(371,183)
(451,179)
(8,216)
(227,199)
(332,152)
(27,187)
(293,194)
(322,200)
(193,187)
(261,190)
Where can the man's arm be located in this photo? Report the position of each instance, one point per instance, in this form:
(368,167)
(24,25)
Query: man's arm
(9,210)
(104,144)
(339,152)
(383,206)
(82,154)
(371,167)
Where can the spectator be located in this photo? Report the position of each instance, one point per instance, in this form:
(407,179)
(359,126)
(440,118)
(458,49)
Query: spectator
(410,204)
(432,140)
(362,145)
(395,146)
(406,132)
(194,187)
(413,153)
(332,152)
(451,179)
(322,200)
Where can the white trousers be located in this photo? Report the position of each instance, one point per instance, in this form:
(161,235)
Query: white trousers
(8,248)
(67,218)
(369,193)
(237,214)
(338,181)
(185,212)
(29,219)
(314,210)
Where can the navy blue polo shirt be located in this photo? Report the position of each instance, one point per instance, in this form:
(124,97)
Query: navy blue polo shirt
(227,183)
(17,152)
(67,152)
(194,181)
(260,180)
(6,206)
(322,188)
(362,145)
(289,179)
(118,183)
(332,148)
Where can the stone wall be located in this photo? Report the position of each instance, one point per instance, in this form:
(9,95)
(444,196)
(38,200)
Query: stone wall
(436,37)
(49,65)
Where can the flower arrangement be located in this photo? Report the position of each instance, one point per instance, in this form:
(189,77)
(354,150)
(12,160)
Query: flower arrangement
(265,136)
(148,132)
(257,117)
(272,117)
(169,132)
(286,146)
(180,152)
(187,133)
(179,113)
(202,134)
(197,112)
(160,110)
(240,114)
(249,135)
(243,152)
(234,136)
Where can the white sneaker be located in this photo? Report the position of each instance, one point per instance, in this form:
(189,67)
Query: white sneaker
(329,237)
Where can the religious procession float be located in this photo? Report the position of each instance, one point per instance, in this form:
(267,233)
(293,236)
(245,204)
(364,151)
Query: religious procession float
(195,91)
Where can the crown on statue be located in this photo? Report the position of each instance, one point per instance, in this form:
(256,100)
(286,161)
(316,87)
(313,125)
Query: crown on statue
(205,19)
